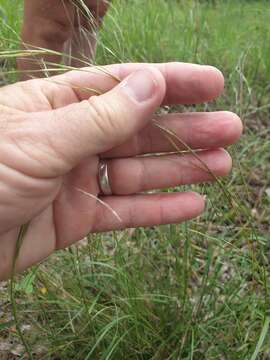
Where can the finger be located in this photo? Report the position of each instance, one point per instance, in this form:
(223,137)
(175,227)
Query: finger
(130,176)
(197,130)
(68,135)
(185,83)
(147,210)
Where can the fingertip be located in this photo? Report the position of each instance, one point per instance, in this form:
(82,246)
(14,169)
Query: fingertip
(230,127)
(198,201)
(216,81)
(224,165)
(195,84)
(195,205)
(236,126)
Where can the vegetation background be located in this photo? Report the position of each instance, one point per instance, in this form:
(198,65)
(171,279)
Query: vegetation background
(199,290)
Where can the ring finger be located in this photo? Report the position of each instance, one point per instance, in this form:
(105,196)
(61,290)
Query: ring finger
(134,175)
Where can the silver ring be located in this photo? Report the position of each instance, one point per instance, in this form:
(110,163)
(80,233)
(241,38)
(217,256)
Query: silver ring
(103,178)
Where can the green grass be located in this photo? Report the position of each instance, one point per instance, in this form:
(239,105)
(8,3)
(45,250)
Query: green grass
(198,290)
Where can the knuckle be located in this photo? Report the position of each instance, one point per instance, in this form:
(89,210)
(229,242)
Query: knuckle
(104,117)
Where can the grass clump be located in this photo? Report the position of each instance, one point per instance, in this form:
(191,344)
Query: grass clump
(198,290)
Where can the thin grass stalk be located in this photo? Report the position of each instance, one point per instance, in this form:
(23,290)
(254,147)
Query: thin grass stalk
(19,242)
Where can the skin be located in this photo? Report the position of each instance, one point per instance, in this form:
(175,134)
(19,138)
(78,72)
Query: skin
(58,25)
(53,133)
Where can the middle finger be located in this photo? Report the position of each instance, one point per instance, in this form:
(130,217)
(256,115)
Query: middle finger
(197,130)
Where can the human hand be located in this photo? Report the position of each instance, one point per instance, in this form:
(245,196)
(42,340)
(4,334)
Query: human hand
(54,132)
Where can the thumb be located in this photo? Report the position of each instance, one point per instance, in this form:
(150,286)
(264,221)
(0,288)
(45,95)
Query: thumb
(102,122)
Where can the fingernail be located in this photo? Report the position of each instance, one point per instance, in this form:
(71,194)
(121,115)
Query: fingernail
(140,85)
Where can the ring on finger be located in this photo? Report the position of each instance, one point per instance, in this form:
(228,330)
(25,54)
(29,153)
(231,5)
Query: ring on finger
(103,178)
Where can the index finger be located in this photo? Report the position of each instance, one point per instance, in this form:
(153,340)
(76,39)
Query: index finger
(186,83)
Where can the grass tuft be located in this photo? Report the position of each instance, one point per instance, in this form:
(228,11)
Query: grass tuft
(198,290)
